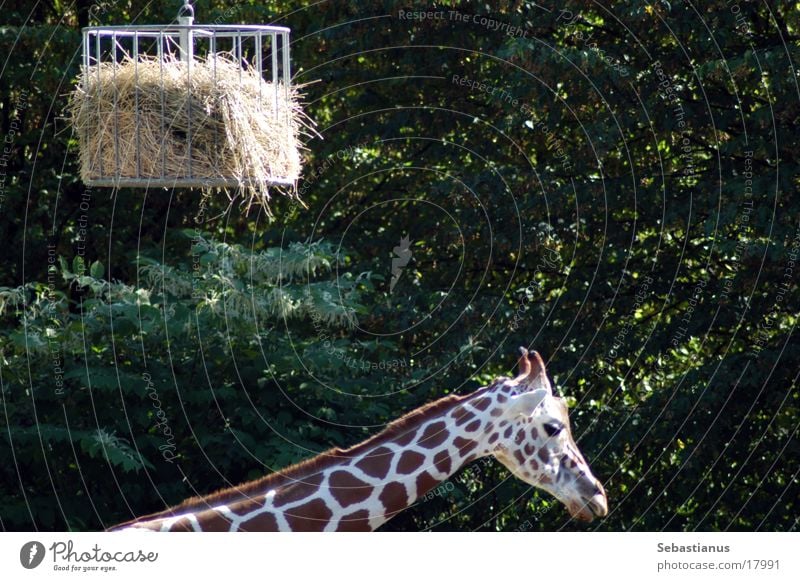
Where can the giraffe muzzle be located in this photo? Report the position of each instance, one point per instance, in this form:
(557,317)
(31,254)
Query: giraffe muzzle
(598,505)
(593,501)
(591,504)
(587,509)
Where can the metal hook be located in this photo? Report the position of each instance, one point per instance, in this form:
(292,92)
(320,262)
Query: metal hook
(186,10)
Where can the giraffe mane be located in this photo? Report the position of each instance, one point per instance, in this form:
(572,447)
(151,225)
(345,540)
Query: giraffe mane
(309,467)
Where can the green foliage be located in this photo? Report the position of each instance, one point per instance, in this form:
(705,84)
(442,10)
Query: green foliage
(114,370)
(621,196)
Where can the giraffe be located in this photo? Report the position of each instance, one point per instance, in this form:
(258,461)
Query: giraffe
(519,421)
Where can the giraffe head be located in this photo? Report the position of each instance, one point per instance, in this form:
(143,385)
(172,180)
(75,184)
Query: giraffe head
(539,448)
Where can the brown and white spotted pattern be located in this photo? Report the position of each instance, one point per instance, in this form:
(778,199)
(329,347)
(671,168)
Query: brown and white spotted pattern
(518,421)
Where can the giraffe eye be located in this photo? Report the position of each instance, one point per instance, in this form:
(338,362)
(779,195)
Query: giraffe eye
(553,429)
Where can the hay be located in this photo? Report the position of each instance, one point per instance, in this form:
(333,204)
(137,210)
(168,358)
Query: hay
(150,109)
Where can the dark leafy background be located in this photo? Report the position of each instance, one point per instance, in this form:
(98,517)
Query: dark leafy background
(632,216)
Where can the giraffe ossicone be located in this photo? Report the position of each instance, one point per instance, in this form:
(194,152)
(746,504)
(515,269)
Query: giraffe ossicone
(517,420)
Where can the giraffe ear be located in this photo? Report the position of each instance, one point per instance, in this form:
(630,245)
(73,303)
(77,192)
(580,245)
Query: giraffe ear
(524,363)
(526,403)
(532,374)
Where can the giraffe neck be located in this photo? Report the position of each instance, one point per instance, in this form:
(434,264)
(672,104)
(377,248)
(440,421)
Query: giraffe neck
(362,490)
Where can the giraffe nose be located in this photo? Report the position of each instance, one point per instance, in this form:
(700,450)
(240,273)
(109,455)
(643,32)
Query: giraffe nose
(589,486)
(598,502)
(593,499)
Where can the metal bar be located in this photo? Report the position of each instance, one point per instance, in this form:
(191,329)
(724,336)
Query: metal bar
(186,40)
(287,65)
(287,78)
(116,104)
(86,49)
(260,68)
(163,105)
(99,114)
(155,29)
(178,182)
(136,105)
(189,114)
(187,56)
(239,59)
(85,77)
(214,55)
(274,42)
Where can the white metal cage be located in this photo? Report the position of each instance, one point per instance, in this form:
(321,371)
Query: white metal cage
(263,49)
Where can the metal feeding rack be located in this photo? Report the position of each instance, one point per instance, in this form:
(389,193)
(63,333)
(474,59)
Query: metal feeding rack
(135,134)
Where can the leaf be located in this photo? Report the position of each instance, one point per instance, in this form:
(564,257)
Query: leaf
(103,444)
(78,266)
(97,270)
